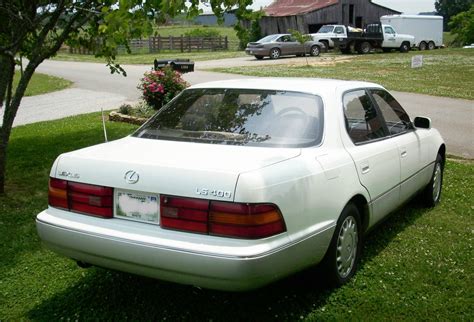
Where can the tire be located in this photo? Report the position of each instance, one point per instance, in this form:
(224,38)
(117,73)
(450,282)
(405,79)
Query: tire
(364,48)
(405,47)
(432,193)
(342,258)
(326,44)
(315,51)
(431,45)
(346,50)
(275,53)
(258,57)
(422,46)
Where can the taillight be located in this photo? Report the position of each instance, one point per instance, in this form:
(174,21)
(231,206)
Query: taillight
(245,220)
(239,220)
(57,193)
(80,197)
(184,214)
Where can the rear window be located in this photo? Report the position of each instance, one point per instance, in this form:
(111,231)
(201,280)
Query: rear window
(239,117)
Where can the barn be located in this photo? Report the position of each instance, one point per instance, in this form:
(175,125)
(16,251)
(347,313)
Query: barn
(308,16)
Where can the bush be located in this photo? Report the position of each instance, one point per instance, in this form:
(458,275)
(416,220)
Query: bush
(158,87)
(198,32)
(125,109)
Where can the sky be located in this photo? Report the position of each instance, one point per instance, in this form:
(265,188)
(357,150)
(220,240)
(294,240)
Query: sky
(404,6)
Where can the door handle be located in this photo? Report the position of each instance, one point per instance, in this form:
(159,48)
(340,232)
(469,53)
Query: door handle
(365,169)
(403,152)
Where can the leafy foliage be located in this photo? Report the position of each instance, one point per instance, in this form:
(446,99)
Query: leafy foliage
(248,19)
(203,32)
(450,8)
(462,25)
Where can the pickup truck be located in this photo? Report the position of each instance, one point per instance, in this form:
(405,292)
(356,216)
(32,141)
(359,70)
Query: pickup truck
(327,32)
(374,35)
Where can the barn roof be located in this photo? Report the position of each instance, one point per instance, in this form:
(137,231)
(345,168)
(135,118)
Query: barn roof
(281,8)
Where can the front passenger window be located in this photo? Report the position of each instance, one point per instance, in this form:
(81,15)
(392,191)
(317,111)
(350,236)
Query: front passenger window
(396,118)
(362,120)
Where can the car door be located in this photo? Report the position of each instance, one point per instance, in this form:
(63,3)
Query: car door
(389,38)
(285,45)
(376,160)
(409,143)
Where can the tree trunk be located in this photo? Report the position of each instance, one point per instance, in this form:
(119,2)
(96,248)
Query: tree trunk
(11,106)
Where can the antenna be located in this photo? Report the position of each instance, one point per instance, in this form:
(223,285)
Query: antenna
(103,124)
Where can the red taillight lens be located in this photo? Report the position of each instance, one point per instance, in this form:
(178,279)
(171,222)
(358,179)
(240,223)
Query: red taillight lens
(184,214)
(227,219)
(80,197)
(57,193)
(245,220)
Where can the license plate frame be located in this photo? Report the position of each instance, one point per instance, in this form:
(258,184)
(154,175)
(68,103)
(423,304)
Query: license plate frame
(137,206)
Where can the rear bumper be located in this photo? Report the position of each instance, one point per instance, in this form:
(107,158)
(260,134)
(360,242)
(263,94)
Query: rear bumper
(236,267)
(257,51)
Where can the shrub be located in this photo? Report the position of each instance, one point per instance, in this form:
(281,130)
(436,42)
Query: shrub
(199,32)
(158,87)
(125,109)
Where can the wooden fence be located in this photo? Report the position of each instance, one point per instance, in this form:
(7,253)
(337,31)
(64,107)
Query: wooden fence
(160,43)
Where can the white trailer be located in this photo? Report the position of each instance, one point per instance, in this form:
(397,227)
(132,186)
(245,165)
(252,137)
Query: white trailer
(427,30)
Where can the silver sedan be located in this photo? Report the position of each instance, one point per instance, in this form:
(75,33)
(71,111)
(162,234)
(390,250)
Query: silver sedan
(275,46)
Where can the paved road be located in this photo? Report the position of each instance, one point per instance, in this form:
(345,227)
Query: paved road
(94,87)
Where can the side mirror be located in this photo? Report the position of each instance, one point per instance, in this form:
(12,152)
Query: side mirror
(422,122)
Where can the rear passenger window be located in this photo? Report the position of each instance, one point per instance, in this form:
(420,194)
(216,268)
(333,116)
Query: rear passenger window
(362,120)
(396,118)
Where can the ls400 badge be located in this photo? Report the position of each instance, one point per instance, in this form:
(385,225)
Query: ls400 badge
(213,192)
(69,175)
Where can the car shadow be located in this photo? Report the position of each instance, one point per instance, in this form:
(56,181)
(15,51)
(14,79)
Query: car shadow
(110,295)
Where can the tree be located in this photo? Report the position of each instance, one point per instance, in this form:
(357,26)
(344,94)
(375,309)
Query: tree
(450,8)
(302,39)
(248,28)
(36,29)
(462,25)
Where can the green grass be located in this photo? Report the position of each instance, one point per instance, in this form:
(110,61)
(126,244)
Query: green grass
(42,84)
(446,72)
(147,59)
(417,265)
(166,31)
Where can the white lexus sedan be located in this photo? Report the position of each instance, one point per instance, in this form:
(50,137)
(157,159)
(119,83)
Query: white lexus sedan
(235,184)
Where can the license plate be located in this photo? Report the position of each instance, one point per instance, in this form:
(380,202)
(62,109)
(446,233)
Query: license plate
(137,206)
(251,52)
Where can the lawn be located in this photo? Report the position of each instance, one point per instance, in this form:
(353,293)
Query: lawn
(147,59)
(445,72)
(417,265)
(166,31)
(42,84)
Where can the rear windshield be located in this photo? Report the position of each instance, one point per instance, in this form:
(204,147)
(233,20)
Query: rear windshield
(239,117)
(325,29)
(269,38)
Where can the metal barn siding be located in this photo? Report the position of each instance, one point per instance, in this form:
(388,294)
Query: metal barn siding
(348,12)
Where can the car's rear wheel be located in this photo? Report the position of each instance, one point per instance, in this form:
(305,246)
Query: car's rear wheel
(258,57)
(275,53)
(315,51)
(341,260)
(422,46)
(431,45)
(432,193)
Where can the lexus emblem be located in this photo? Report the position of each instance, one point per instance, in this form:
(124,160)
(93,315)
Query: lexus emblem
(131,177)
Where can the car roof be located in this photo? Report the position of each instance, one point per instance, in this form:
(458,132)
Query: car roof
(319,86)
